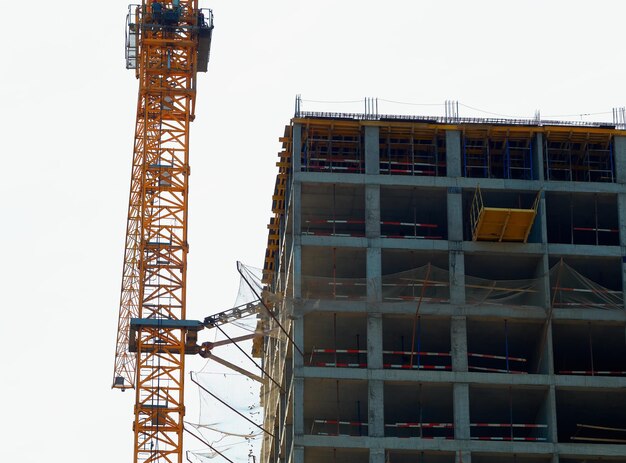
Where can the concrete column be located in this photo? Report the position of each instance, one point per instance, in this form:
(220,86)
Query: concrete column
(550,411)
(621,214)
(297,455)
(460,398)
(458,337)
(455,243)
(544,299)
(372,150)
(372,211)
(374,340)
(297,401)
(457,277)
(374,276)
(296,161)
(540,233)
(297,270)
(455,214)
(546,365)
(453,153)
(298,338)
(538,170)
(376,408)
(377,456)
(296,213)
(297,239)
(621,217)
(543,272)
(463,456)
(619,148)
(298,408)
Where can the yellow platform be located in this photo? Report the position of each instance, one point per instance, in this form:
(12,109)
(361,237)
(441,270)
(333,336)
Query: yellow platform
(501,224)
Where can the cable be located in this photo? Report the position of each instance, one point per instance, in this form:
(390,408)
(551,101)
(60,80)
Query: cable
(416,318)
(251,359)
(487,112)
(410,104)
(332,102)
(207,444)
(517,117)
(581,114)
(268,310)
(225,404)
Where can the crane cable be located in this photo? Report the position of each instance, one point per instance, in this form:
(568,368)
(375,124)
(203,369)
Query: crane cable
(207,444)
(293,343)
(251,359)
(228,406)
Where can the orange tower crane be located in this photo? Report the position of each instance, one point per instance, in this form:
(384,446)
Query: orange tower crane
(167,44)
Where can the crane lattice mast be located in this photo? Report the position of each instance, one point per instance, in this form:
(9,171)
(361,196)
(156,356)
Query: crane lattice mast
(167,43)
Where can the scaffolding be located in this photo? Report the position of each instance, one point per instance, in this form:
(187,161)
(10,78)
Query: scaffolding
(579,157)
(333,148)
(498,155)
(405,150)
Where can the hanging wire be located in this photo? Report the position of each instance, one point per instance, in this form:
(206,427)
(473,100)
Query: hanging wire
(251,359)
(548,116)
(507,116)
(581,114)
(332,102)
(228,406)
(487,112)
(416,317)
(411,104)
(271,314)
(506,344)
(207,444)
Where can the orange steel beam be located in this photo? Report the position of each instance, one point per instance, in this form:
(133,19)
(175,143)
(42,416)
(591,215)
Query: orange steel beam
(155,258)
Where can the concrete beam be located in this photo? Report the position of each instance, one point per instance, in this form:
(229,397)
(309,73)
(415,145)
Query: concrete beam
(461,182)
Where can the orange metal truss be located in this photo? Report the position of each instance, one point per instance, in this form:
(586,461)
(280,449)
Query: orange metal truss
(155,258)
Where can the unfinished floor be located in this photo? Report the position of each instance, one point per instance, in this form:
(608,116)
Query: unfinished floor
(415,341)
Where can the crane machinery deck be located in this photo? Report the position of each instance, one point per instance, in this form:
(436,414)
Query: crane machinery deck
(167,44)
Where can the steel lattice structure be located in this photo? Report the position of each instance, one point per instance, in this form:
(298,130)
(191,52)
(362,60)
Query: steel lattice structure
(162,41)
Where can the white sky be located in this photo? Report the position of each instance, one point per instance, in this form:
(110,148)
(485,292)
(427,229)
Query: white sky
(67,123)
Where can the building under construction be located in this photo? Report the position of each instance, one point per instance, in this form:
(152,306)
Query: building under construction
(446,290)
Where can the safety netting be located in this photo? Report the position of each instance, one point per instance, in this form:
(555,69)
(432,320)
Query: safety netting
(510,292)
(431,284)
(570,289)
(427,283)
(230,414)
(232,397)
